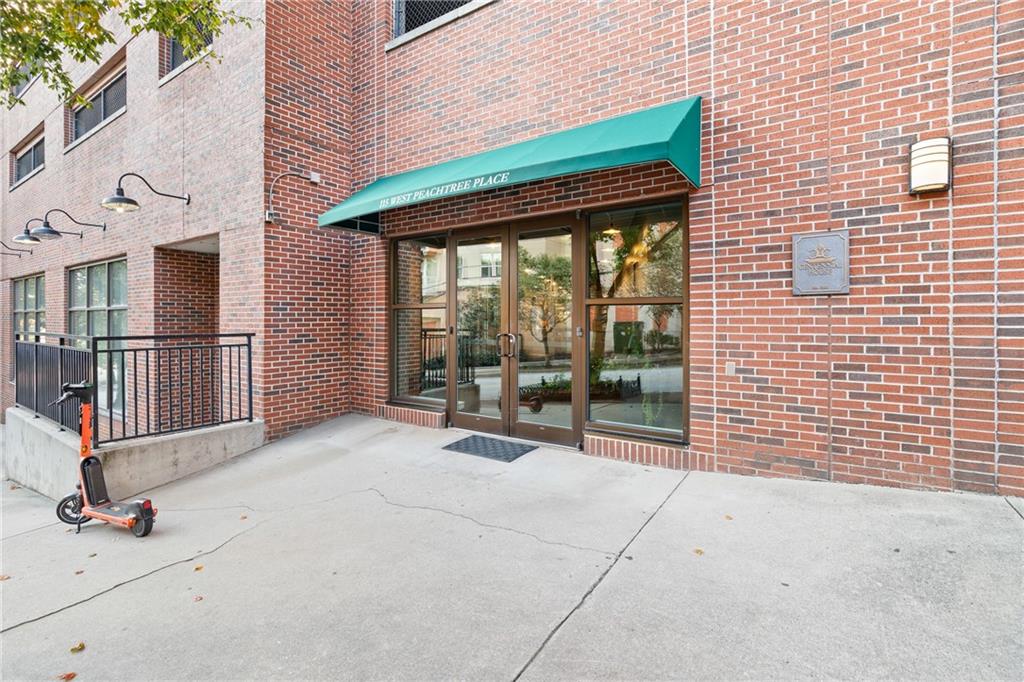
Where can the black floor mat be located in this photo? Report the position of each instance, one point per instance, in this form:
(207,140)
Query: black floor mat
(491,448)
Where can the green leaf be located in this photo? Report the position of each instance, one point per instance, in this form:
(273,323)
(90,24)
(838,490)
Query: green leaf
(44,39)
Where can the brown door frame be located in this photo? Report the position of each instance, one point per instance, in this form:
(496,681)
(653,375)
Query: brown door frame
(553,434)
(508,424)
(494,425)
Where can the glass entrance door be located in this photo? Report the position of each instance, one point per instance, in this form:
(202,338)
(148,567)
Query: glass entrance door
(544,319)
(516,336)
(479,360)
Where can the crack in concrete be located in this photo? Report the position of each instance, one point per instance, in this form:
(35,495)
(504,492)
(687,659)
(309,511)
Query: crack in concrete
(597,582)
(482,524)
(132,580)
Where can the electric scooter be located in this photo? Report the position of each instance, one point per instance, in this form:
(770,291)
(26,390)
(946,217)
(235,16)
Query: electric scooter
(91,501)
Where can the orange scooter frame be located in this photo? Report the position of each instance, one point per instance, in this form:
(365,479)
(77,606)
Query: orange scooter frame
(91,500)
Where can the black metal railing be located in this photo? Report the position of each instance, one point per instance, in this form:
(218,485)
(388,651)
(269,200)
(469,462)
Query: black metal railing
(432,358)
(433,372)
(154,385)
(42,363)
(142,385)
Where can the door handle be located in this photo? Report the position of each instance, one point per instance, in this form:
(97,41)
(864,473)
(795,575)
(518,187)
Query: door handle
(513,352)
(497,342)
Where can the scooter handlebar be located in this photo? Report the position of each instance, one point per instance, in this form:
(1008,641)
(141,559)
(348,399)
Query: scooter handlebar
(82,391)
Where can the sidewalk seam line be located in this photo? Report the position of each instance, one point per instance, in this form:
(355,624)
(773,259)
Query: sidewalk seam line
(597,582)
(1019,513)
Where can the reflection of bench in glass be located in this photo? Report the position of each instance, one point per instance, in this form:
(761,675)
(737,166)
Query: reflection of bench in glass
(559,390)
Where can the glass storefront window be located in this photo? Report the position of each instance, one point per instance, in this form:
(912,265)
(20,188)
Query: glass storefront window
(636,295)
(420,270)
(636,365)
(636,252)
(419,324)
(420,370)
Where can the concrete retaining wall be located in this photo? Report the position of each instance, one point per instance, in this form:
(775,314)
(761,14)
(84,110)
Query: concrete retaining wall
(39,455)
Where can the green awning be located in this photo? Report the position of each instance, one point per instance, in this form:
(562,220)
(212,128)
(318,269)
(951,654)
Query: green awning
(669,132)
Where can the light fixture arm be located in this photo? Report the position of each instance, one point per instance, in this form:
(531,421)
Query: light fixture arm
(17,252)
(187,198)
(305,175)
(46,219)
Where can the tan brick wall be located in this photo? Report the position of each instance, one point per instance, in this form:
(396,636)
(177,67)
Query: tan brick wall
(198,133)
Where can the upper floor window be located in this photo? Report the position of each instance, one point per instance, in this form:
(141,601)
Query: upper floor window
(109,100)
(29,158)
(176,52)
(26,80)
(411,14)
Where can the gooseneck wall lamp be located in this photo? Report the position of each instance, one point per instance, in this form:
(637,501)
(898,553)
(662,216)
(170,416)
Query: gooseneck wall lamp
(26,237)
(47,231)
(123,204)
(312,176)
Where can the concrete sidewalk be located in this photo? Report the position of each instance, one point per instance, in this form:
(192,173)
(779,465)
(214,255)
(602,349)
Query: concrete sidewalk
(360,549)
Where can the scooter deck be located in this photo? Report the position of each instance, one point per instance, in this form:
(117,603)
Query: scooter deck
(118,510)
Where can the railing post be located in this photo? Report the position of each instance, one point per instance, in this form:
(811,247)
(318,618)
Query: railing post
(35,378)
(248,353)
(95,391)
(60,379)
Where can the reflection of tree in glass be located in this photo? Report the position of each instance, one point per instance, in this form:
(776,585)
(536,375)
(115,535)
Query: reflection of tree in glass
(647,260)
(479,319)
(545,295)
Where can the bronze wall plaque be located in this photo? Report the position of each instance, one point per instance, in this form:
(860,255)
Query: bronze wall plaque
(821,263)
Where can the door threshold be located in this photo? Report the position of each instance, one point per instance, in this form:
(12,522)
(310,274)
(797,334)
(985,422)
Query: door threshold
(524,441)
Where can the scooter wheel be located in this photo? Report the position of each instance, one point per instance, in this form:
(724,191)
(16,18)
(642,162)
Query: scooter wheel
(142,527)
(69,510)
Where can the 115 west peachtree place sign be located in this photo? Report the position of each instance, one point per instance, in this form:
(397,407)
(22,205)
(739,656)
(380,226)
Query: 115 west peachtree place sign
(480,182)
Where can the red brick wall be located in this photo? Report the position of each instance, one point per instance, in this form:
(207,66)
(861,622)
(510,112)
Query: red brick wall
(306,345)
(186,292)
(809,109)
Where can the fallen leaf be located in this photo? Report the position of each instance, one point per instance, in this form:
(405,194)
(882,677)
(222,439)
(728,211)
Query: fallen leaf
(15,487)
(243,517)
(699,551)
(728,518)
(67,676)
(197,598)
(92,555)
(4,577)
(78,647)
(785,584)
(79,572)
(199,567)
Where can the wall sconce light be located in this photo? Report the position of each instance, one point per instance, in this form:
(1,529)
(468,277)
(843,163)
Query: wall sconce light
(931,165)
(47,231)
(270,216)
(26,237)
(121,204)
